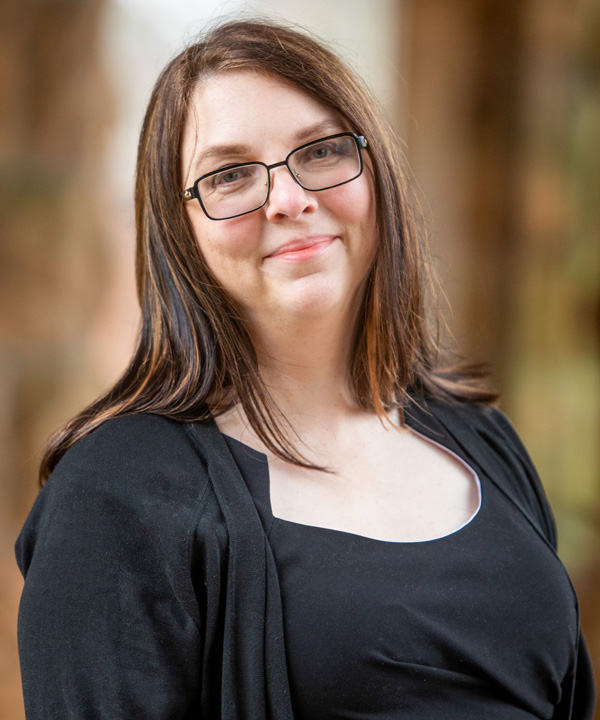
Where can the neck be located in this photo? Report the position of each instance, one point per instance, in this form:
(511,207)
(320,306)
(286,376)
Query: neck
(305,367)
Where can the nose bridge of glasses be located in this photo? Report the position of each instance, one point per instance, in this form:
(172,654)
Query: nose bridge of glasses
(283,163)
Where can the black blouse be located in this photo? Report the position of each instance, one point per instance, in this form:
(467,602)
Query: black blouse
(481,623)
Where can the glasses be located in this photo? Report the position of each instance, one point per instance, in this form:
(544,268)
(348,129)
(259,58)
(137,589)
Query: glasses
(241,189)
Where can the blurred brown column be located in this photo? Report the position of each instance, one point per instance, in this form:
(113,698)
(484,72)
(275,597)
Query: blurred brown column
(504,101)
(464,92)
(52,118)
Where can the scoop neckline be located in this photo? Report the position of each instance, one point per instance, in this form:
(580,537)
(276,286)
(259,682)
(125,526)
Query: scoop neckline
(357,536)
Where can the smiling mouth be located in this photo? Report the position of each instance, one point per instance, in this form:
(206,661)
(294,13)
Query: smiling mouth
(303,249)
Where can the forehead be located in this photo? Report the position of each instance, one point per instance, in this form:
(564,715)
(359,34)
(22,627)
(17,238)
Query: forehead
(250,109)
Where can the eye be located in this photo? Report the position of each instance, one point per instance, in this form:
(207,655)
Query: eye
(321,152)
(325,153)
(229,177)
(232,179)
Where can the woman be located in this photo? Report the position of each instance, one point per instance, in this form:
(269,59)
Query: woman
(285,507)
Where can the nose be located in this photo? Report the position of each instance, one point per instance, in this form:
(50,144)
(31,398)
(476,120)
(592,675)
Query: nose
(287,198)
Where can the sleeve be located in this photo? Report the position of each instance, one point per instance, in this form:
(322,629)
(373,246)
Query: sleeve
(579,696)
(107,626)
(584,691)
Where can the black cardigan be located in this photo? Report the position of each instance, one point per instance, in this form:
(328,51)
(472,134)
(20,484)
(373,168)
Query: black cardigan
(151,590)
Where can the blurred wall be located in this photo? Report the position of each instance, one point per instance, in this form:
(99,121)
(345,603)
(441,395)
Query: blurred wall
(52,118)
(499,105)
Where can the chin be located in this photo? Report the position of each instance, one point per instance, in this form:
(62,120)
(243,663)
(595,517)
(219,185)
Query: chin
(308,298)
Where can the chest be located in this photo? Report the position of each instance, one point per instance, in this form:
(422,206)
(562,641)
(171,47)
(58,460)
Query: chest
(396,486)
(482,621)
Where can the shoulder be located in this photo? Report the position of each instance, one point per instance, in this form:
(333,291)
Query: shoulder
(472,419)
(485,426)
(129,442)
(134,453)
(135,475)
(486,434)
(108,549)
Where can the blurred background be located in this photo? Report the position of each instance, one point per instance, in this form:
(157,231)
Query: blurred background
(498,104)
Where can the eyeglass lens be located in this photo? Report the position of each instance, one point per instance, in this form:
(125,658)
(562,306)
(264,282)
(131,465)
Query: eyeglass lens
(243,188)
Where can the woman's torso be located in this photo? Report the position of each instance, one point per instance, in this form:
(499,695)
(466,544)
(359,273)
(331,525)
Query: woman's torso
(478,623)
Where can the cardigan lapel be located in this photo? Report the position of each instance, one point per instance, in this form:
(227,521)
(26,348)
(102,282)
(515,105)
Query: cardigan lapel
(255,683)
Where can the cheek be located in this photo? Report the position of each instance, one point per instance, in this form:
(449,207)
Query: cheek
(225,246)
(355,207)
(362,211)
(355,201)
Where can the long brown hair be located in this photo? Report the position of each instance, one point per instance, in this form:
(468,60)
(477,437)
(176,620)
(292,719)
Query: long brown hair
(194,356)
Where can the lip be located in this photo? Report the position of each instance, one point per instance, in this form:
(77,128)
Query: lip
(301,248)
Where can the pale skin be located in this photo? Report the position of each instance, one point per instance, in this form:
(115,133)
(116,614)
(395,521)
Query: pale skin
(388,483)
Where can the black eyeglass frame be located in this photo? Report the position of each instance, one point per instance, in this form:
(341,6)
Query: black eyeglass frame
(192,192)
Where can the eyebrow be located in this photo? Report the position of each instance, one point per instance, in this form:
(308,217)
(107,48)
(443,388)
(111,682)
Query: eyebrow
(330,126)
(216,152)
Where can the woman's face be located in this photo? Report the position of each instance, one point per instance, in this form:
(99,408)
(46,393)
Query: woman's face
(242,117)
